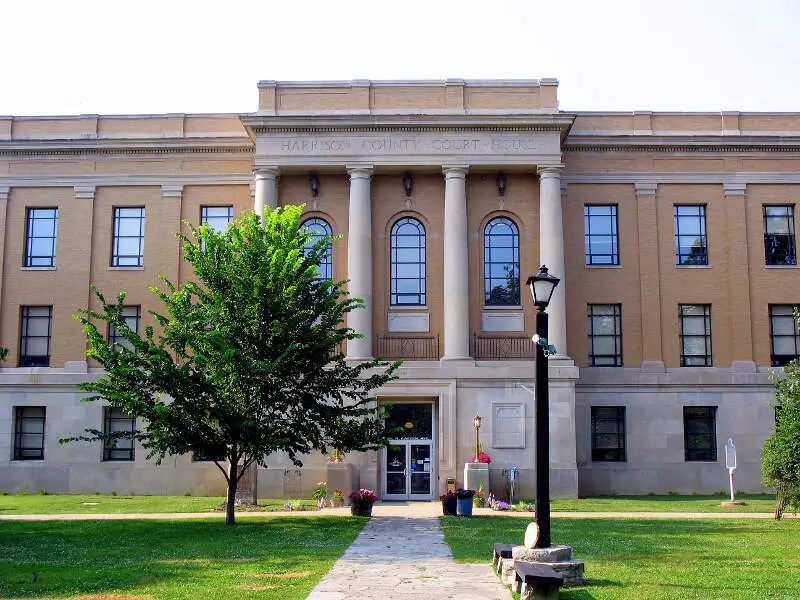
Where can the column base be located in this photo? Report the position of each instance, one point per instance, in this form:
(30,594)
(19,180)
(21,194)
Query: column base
(463,359)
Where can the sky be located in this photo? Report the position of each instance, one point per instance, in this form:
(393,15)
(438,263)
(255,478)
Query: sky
(195,56)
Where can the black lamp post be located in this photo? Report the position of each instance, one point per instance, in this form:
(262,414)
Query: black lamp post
(542,286)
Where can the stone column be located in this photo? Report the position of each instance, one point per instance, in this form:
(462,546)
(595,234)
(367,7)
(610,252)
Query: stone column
(266,189)
(456,264)
(359,260)
(551,252)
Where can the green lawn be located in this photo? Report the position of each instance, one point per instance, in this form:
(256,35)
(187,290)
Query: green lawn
(755,503)
(634,559)
(44,505)
(260,557)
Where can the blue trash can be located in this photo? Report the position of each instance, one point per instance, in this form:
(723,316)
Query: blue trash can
(464,507)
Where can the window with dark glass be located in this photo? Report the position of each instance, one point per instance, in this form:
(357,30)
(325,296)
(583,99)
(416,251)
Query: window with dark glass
(115,420)
(320,229)
(690,235)
(605,335)
(34,339)
(695,335)
(501,262)
(600,234)
(407,263)
(608,433)
(216,217)
(29,432)
(700,432)
(779,244)
(41,233)
(783,334)
(128,243)
(131,315)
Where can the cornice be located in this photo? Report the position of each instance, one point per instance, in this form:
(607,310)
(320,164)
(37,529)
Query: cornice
(684,143)
(157,180)
(316,123)
(105,148)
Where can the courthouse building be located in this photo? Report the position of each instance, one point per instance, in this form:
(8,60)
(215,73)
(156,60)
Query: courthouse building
(673,235)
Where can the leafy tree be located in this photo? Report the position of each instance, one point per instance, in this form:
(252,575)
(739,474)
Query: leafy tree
(247,360)
(780,458)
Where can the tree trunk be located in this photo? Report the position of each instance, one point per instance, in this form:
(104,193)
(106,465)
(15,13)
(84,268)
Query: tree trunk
(780,503)
(230,513)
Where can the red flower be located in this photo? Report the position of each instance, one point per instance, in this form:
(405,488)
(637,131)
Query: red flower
(481,457)
(363,496)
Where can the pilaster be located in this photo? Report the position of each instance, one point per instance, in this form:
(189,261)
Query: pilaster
(649,276)
(739,295)
(4,193)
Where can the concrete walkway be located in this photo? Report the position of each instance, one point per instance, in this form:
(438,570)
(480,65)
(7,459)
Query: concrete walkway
(406,558)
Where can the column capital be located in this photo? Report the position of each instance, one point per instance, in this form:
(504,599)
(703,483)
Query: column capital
(269,172)
(359,171)
(85,192)
(459,171)
(172,191)
(734,189)
(550,171)
(4,190)
(645,188)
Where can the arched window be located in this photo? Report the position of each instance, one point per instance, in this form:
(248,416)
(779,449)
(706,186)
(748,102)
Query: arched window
(319,228)
(408,263)
(501,262)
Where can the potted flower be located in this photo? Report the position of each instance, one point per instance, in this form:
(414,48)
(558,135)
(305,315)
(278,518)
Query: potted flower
(479,499)
(361,502)
(337,500)
(464,502)
(449,503)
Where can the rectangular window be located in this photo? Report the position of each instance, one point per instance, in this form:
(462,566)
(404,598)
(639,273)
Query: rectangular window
(131,316)
(783,334)
(608,433)
(605,335)
(700,432)
(690,235)
(41,233)
(34,338)
(779,246)
(117,421)
(695,334)
(29,432)
(216,217)
(600,234)
(128,243)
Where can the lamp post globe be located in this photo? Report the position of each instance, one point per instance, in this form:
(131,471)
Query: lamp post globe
(542,286)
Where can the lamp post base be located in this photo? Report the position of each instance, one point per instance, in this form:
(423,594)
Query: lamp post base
(476,474)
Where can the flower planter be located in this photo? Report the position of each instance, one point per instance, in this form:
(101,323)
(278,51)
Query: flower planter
(449,506)
(464,507)
(361,510)
(337,503)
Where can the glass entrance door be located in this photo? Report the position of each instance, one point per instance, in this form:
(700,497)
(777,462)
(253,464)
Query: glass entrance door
(408,467)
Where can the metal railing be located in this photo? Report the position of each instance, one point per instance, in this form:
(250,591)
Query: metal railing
(503,347)
(408,347)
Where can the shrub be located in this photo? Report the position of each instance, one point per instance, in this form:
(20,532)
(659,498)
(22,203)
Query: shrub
(43,491)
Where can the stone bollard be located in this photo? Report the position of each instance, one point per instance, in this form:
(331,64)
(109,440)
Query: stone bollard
(507,571)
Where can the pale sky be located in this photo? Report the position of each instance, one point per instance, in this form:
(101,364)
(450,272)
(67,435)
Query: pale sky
(189,56)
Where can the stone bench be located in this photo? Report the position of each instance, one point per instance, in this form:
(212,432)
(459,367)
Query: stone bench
(501,551)
(536,581)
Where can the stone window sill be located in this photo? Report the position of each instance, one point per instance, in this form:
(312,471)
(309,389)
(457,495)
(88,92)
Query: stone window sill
(125,268)
(602,266)
(37,268)
(692,266)
(782,266)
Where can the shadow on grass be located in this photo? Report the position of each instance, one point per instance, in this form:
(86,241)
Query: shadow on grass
(168,558)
